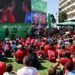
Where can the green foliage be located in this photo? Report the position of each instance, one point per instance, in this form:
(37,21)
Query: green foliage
(62,16)
(53,18)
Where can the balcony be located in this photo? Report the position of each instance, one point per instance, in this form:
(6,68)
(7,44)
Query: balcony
(66,8)
(65,3)
(70,12)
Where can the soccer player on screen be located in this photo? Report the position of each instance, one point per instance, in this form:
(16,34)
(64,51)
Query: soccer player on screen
(26,8)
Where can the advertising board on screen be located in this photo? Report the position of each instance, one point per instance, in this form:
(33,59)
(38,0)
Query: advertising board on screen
(39,5)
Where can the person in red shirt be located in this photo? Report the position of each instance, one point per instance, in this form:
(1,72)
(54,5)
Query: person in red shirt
(73,59)
(65,58)
(20,54)
(51,54)
(7,13)
(70,48)
(61,50)
(40,53)
(32,41)
(0,46)
(41,32)
(47,47)
(42,43)
(72,32)
(2,67)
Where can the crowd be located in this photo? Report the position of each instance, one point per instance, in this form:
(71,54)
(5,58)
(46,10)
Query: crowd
(58,47)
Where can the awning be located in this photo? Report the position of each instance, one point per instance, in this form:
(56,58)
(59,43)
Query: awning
(68,23)
(71,19)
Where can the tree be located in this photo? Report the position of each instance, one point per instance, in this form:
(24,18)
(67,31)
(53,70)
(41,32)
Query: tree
(53,19)
(62,16)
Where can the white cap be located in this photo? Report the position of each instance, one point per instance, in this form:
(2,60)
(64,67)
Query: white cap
(19,46)
(67,43)
(67,33)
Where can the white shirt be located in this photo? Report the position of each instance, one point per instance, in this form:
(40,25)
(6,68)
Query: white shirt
(27,71)
(7,73)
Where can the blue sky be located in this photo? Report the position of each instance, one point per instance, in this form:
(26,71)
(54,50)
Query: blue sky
(52,6)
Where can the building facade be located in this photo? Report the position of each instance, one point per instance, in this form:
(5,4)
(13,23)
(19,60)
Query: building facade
(67,6)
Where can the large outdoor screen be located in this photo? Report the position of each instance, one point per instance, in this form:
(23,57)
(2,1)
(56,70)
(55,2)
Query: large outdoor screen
(12,11)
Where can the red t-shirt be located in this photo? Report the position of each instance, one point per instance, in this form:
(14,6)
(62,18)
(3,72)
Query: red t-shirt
(46,48)
(2,67)
(72,33)
(73,62)
(0,46)
(42,44)
(51,55)
(63,61)
(70,48)
(36,43)
(40,52)
(28,40)
(64,36)
(23,43)
(20,55)
(61,51)
(56,47)
(39,43)
(10,16)
(32,41)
